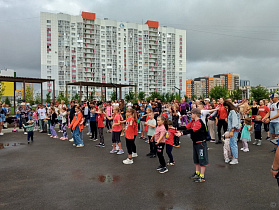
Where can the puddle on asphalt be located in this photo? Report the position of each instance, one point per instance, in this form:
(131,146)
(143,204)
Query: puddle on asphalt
(7,145)
(107,179)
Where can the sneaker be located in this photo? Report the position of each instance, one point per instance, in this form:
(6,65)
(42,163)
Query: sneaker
(152,156)
(113,151)
(212,141)
(117,147)
(74,145)
(120,152)
(234,161)
(103,146)
(55,137)
(194,176)
(71,140)
(1,134)
(227,160)
(134,155)
(128,161)
(242,149)
(246,150)
(139,132)
(199,180)
(267,138)
(147,141)
(28,142)
(88,134)
(163,170)
(80,145)
(98,145)
(170,164)
(255,142)
(25,132)
(122,134)
(95,139)
(159,168)
(49,134)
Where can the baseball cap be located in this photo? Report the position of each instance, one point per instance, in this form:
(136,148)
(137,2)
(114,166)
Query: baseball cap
(274,95)
(196,111)
(207,99)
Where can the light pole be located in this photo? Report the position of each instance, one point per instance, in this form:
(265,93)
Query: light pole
(178,90)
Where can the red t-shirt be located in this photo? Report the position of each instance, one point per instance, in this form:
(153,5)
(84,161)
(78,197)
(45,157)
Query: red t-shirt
(117,119)
(130,129)
(165,116)
(101,120)
(263,110)
(171,136)
(222,112)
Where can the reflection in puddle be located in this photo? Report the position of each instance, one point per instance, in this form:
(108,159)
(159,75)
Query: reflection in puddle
(2,146)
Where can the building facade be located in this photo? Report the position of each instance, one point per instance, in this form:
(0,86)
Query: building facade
(85,48)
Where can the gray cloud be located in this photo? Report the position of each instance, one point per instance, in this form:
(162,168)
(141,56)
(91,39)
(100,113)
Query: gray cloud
(222,36)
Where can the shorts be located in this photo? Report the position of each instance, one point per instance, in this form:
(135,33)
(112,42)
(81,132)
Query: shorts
(2,117)
(274,128)
(200,154)
(116,136)
(266,127)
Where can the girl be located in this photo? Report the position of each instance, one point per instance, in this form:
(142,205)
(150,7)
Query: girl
(170,135)
(129,134)
(135,115)
(101,126)
(175,118)
(109,113)
(148,110)
(53,118)
(63,115)
(116,130)
(35,118)
(245,135)
(159,138)
(77,127)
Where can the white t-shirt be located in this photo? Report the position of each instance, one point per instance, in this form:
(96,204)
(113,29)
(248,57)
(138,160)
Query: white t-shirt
(274,111)
(204,113)
(129,105)
(179,121)
(42,114)
(115,104)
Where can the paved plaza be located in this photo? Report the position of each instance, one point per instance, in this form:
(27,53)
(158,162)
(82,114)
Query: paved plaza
(52,174)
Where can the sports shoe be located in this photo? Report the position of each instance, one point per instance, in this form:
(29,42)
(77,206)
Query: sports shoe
(246,150)
(1,134)
(117,147)
(267,138)
(88,134)
(49,134)
(95,139)
(255,142)
(134,155)
(259,143)
(194,176)
(113,151)
(242,149)
(227,160)
(55,137)
(74,145)
(163,170)
(103,145)
(139,132)
(199,180)
(128,161)
(80,145)
(71,140)
(98,145)
(25,132)
(234,161)
(159,168)
(28,142)
(120,152)
(147,141)
(152,156)
(170,164)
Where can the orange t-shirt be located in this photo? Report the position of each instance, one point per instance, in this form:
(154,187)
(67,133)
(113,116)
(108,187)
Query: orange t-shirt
(130,129)
(117,119)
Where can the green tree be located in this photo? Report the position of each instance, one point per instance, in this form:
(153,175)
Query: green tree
(37,98)
(113,96)
(258,93)
(7,101)
(194,97)
(62,97)
(219,92)
(76,96)
(2,90)
(153,95)
(92,94)
(141,95)
(130,96)
(48,97)
(29,95)
(178,97)
(172,97)
(236,94)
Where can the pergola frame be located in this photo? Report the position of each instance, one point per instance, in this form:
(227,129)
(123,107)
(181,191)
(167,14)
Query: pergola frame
(98,84)
(25,80)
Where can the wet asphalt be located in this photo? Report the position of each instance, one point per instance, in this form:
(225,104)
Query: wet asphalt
(52,174)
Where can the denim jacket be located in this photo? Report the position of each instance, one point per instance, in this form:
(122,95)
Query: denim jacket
(233,120)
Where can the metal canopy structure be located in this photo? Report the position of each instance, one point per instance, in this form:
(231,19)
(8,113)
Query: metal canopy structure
(25,80)
(98,84)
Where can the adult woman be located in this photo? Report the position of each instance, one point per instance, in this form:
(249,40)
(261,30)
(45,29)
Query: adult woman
(234,128)
(255,110)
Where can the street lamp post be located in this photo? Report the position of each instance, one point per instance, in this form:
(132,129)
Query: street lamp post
(177,89)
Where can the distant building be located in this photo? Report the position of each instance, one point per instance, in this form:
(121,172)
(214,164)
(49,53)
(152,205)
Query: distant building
(244,83)
(273,89)
(9,86)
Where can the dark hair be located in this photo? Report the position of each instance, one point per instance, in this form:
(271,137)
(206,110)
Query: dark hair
(165,121)
(169,122)
(230,106)
(248,121)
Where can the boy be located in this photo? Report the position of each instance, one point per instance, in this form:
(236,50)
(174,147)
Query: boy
(93,124)
(198,135)
(169,142)
(29,128)
(151,123)
(258,130)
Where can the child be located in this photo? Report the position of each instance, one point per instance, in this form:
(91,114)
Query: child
(151,123)
(245,135)
(175,119)
(170,134)
(116,131)
(63,115)
(135,115)
(148,110)
(164,114)
(35,118)
(159,138)
(129,134)
(30,129)
(101,126)
(77,127)
(93,124)
(53,119)
(226,147)
(198,133)
(142,118)
(258,130)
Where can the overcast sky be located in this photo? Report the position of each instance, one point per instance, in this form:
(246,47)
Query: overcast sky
(240,36)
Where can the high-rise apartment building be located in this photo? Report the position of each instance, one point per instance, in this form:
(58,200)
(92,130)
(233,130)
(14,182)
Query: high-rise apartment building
(201,87)
(85,48)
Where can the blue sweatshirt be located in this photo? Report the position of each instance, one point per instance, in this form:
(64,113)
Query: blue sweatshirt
(93,117)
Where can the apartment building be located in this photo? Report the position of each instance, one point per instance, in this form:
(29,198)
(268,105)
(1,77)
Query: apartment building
(85,48)
(202,86)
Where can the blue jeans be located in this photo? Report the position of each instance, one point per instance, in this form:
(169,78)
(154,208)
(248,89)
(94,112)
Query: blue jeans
(77,136)
(233,144)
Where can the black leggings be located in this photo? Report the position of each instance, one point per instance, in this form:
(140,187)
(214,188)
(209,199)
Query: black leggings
(108,124)
(169,152)
(152,146)
(224,124)
(101,134)
(131,147)
(160,154)
(93,127)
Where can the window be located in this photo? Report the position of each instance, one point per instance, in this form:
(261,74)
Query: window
(48,21)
